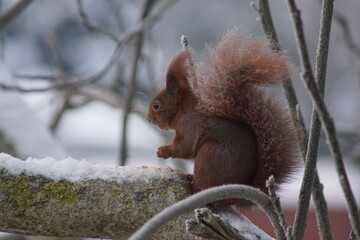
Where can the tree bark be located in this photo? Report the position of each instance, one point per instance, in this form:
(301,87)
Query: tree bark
(33,204)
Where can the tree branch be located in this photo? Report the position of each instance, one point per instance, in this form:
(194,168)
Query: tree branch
(326,120)
(74,82)
(69,198)
(14,11)
(208,225)
(290,94)
(124,38)
(132,85)
(271,185)
(309,152)
(92,28)
(208,196)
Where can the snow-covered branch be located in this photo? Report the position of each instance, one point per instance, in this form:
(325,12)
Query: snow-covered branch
(79,199)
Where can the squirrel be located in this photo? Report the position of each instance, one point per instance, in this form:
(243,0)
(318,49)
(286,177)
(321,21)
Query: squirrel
(224,117)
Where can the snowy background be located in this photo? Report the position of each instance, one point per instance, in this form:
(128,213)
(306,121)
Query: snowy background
(92,131)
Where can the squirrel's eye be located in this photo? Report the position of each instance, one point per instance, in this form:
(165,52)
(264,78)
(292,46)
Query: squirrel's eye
(156,105)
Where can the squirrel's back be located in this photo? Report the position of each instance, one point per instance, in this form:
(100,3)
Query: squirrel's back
(232,85)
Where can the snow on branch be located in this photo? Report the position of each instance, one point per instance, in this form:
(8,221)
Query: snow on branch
(70,198)
(78,199)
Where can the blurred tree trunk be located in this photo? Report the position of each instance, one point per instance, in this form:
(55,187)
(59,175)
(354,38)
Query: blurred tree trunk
(6,146)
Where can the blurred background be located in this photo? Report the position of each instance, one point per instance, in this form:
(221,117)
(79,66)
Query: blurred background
(76,78)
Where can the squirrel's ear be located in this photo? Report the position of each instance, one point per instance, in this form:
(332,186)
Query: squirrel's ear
(178,72)
(172,85)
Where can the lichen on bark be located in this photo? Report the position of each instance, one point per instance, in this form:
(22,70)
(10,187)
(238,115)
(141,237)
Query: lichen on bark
(27,191)
(96,208)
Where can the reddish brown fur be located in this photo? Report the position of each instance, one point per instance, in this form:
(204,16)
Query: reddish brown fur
(223,117)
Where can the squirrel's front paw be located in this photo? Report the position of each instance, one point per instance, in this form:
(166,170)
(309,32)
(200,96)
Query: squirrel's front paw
(164,152)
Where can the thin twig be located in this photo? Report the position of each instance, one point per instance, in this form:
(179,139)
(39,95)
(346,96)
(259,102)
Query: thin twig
(13,12)
(74,82)
(319,199)
(225,224)
(346,33)
(326,120)
(271,185)
(311,155)
(129,100)
(65,104)
(207,196)
(132,85)
(147,22)
(92,28)
(310,174)
(40,77)
(290,94)
(352,235)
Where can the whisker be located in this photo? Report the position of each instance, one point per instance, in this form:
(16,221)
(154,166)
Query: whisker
(143,96)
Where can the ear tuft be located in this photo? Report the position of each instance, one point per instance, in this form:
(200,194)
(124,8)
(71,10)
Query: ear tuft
(179,71)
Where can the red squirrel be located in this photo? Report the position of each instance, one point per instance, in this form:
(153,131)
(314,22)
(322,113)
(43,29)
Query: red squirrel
(224,117)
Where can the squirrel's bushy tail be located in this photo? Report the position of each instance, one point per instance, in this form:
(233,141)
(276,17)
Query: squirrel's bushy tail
(232,85)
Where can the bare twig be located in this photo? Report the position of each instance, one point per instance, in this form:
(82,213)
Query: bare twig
(326,120)
(346,33)
(271,185)
(55,54)
(208,196)
(74,82)
(132,85)
(209,225)
(14,11)
(65,104)
(311,155)
(129,99)
(290,94)
(319,199)
(40,77)
(92,28)
(352,235)
(147,22)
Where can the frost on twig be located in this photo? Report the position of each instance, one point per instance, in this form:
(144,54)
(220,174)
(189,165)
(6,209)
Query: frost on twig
(208,225)
(324,115)
(271,185)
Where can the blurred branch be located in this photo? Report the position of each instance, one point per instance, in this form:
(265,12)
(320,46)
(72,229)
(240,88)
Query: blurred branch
(131,88)
(41,77)
(207,196)
(73,82)
(147,21)
(76,82)
(108,96)
(132,84)
(56,57)
(346,33)
(65,104)
(92,28)
(325,118)
(13,12)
